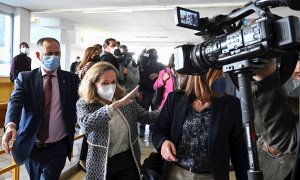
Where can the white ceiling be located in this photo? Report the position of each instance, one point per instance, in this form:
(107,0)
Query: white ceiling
(134,21)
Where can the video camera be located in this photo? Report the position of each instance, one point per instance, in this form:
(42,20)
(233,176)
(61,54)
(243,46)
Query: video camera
(147,56)
(126,58)
(268,37)
(123,58)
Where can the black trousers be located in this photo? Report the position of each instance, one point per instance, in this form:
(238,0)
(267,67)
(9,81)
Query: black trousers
(84,149)
(122,167)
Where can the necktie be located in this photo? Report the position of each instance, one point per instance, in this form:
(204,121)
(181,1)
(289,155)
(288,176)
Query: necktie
(44,129)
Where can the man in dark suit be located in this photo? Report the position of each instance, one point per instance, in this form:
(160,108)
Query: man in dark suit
(45,99)
(110,45)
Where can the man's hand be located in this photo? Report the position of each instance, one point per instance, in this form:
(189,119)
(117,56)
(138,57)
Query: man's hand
(168,151)
(10,134)
(153,76)
(126,99)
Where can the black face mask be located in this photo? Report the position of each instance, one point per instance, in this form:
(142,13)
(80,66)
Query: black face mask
(153,58)
(96,58)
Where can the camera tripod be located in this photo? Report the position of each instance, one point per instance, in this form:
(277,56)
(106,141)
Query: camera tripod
(243,70)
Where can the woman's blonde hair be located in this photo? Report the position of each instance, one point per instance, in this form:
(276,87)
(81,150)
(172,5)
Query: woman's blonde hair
(88,90)
(200,86)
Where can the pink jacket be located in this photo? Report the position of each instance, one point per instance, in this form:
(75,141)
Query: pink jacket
(168,85)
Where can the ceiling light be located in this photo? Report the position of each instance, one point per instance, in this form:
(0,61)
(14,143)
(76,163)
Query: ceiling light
(107,11)
(156,37)
(140,8)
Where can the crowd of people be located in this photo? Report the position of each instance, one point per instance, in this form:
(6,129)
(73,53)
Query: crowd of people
(196,126)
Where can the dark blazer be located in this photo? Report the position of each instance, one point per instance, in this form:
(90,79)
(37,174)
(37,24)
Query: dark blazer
(225,140)
(26,101)
(108,57)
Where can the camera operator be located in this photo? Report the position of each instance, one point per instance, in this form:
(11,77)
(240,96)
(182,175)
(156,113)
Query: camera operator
(149,69)
(276,120)
(242,51)
(130,70)
(276,117)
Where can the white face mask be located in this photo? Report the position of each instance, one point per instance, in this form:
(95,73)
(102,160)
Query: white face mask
(25,50)
(112,50)
(107,92)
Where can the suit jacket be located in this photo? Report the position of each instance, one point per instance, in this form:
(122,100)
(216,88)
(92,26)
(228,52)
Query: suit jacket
(225,140)
(108,57)
(26,105)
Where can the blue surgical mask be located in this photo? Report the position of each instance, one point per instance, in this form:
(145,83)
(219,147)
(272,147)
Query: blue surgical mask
(219,85)
(51,63)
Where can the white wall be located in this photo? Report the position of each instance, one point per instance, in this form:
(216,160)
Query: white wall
(60,29)
(21,28)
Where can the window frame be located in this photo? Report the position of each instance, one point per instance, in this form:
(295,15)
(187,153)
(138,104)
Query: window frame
(10,46)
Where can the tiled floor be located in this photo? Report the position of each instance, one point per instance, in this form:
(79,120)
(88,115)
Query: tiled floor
(146,149)
(6,159)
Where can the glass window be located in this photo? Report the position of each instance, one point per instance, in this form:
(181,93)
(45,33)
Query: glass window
(5,44)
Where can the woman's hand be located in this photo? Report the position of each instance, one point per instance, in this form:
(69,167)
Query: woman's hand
(166,76)
(168,151)
(126,99)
